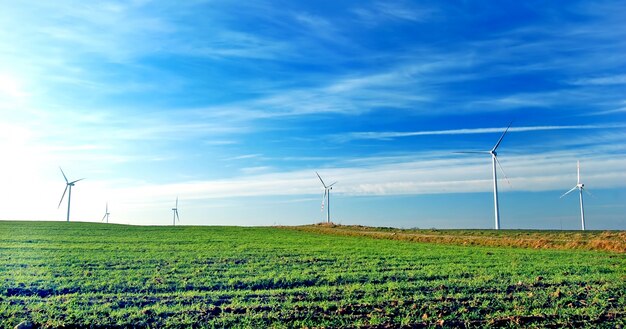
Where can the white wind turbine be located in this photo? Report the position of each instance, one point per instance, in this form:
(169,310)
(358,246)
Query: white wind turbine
(580,186)
(494,160)
(175,210)
(326,197)
(106,213)
(68,185)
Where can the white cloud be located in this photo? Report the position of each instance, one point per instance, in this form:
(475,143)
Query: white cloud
(617,110)
(256,170)
(605,80)
(388,135)
(450,174)
(243,157)
(396,87)
(381,12)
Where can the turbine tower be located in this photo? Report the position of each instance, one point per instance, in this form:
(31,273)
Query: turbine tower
(326,197)
(494,160)
(106,213)
(175,210)
(68,185)
(580,186)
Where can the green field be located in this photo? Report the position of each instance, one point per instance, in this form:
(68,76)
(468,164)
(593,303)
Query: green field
(57,274)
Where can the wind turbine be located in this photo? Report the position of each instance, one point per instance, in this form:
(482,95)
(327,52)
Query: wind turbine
(326,197)
(494,160)
(580,186)
(175,210)
(106,213)
(69,196)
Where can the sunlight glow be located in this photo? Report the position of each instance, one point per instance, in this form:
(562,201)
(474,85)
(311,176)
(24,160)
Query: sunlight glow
(11,87)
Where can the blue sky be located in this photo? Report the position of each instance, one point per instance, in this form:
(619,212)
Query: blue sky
(233,106)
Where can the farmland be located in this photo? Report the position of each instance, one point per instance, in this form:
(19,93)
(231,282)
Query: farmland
(58,274)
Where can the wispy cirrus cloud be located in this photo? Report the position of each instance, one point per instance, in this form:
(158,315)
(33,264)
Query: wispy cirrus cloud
(619,79)
(403,86)
(256,170)
(390,135)
(380,12)
(133,29)
(225,44)
(243,157)
(613,111)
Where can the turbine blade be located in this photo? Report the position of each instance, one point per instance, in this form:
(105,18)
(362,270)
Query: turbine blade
(501,137)
(178,218)
(103,217)
(78,180)
(64,175)
(321,180)
(63,196)
(176,203)
(324,199)
(584,189)
(332,184)
(502,169)
(568,192)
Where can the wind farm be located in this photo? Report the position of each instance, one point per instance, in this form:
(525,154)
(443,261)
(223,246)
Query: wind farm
(244,113)
(311,283)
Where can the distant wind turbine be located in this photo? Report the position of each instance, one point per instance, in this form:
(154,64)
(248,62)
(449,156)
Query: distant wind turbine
(494,160)
(175,210)
(106,213)
(580,186)
(326,197)
(69,196)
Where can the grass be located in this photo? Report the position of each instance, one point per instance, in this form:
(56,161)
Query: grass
(57,274)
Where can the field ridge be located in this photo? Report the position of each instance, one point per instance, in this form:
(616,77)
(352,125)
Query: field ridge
(613,241)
